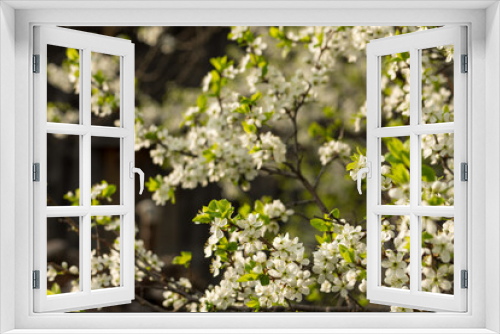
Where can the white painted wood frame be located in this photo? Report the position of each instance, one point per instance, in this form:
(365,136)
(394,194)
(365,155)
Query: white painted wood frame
(86,43)
(414,43)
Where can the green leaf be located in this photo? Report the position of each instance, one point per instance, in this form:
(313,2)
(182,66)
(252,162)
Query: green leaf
(428,174)
(259,206)
(223,255)
(253,303)
(184,259)
(319,35)
(249,266)
(249,128)
(256,97)
(154,184)
(248,278)
(319,239)
(320,224)
(314,295)
(109,190)
(202,218)
(399,174)
(362,274)
(212,206)
(347,253)
(225,208)
(399,151)
(73,54)
(328,112)
(407,246)
(54,290)
(335,213)
(245,210)
(249,101)
(209,155)
(436,201)
(316,130)
(276,32)
(201,102)
(216,64)
(363,301)
(264,280)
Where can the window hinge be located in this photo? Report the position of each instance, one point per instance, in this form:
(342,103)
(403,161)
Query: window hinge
(465,64)
(464,279)
(36,172)
(36,63)
(464,171)
(36,279)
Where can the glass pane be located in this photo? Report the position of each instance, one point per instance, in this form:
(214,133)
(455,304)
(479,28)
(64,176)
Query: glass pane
(105,101)
(63,85)
(63,258)
(63,169)
(395,89)
(105,255)
(437,84)
(395,170)
(437,169)
(395,254)
(437,254)
(105,171)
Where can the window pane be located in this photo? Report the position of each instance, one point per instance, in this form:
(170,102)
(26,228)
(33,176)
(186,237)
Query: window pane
(395,254)
(395,170)
(395,89)
(63,85)
(63,170)
(105,255)
(105,101)
(105,171)
(437,84)
(63,255)
(437,254)
(437,169)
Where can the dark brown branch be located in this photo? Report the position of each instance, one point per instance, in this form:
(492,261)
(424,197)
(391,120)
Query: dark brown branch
(145,302)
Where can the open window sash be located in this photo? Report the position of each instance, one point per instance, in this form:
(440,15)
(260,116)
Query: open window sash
(412,294)
(84,296)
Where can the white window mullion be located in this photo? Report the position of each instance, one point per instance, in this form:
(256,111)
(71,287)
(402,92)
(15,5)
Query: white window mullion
(106,131)
(405,210)
(85,166)
(108,210)
(415,168)
(67,129)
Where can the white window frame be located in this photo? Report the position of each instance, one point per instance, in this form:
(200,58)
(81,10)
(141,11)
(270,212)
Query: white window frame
(16,22)
(86,43)
(413,43)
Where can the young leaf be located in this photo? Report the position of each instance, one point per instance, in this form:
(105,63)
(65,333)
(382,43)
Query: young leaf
(320,224)
(184,259)
(249,128)
(346,253)
(264,280)
(202,218)
(248,278)
(253,303)
(335,213)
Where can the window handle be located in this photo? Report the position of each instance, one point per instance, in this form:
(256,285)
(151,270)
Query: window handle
(368,171)
(141,175)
